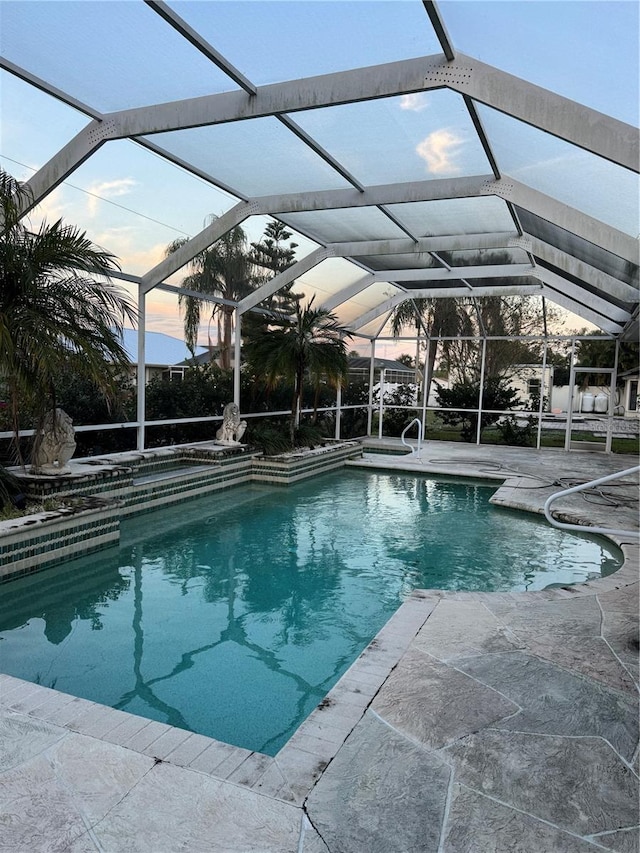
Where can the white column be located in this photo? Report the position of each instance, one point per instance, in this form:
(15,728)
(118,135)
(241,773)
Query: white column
(338,412)
(481,394)
(542,388)
(425,390)
(371,374)
(572,385)
(236,359)
(381,408)
(142,369)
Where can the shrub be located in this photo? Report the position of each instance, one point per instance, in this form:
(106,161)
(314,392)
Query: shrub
(395,420)
(465,395)
(515,433)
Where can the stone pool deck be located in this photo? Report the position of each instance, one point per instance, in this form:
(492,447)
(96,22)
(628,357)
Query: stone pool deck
(473,722)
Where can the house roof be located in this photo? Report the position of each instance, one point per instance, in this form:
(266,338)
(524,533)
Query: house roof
(160,350)
(363,363)
(407,165)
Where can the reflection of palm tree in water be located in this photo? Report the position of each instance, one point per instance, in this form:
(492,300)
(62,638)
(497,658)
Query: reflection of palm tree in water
(96,585)
(234,632)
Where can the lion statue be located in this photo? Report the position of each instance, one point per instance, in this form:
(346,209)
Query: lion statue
(55,445)
(232,428)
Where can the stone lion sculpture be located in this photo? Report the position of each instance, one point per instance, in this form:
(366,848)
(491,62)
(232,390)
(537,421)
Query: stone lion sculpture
(55,445)
(232,428)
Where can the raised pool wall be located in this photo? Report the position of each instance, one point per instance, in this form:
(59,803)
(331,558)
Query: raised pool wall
(114,487)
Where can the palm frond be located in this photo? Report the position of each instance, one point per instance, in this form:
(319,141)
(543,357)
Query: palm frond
(59,308)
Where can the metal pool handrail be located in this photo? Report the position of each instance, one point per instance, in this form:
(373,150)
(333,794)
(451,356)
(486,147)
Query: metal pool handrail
(414,421)
(584,529)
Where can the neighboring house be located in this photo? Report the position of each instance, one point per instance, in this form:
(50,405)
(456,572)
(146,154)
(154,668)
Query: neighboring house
(395,372)
(527,381)
(386,373)
(165,356)
(630,399)
(206,355)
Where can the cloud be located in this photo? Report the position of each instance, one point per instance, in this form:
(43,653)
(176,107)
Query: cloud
(136,261)
(52,207)
(438,151)
(415,101)
(108,189)
(141,261)
(132,249)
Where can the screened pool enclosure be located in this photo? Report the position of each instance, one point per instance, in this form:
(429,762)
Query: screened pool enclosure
(418,152)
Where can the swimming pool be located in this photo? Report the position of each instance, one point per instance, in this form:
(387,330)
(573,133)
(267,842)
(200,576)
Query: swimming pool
(234,615)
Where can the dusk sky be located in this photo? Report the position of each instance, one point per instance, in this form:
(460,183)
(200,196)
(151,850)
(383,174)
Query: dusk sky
(134,204)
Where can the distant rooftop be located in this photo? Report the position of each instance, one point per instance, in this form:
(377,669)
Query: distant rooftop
(160,349)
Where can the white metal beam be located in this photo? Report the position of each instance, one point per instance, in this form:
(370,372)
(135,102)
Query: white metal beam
(581,311)
(607,284)
(283,279)
(214,231)
(66,161)
(446,243)
(347,292)
(441,293)
(560,116)
(579,294)
(455,273)
(181,26)
(342,87)
(586,128)
(372,196)
(48,88)
(382,308)
(560,214)
(482,290)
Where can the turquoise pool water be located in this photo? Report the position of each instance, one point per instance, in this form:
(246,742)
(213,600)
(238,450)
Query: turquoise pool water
(234,615)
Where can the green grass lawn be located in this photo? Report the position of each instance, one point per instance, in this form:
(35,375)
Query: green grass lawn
(437,431)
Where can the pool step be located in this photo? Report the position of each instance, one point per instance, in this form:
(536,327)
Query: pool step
(172,474)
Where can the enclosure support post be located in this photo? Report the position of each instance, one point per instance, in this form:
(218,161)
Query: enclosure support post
(236,359)
(542,389)
(572,385)
(140,383)
(426,383)
(371,374)
(480,395)
(338,412)
(612,394)
(381,409)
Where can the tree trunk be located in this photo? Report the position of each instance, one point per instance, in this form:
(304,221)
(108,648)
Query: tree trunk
(429,368)
(225,354)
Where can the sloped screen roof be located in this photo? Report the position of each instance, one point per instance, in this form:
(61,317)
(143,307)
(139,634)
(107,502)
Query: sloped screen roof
(361,125)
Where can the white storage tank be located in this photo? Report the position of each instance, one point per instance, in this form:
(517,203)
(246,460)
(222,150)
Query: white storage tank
(587,402)
(601,403)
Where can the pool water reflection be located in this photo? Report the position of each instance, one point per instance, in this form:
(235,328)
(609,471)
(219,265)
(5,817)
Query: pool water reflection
(234,615)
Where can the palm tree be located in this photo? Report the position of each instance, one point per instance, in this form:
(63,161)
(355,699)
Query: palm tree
(440,317)
(309,343)
(224,269)
(55,314)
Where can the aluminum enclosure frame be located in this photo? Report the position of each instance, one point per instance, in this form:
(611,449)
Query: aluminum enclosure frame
(570,281)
